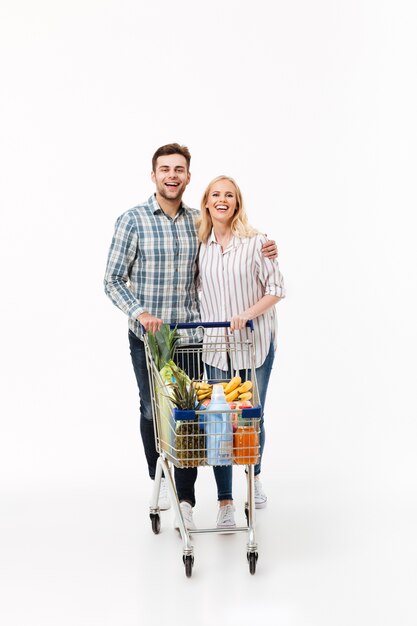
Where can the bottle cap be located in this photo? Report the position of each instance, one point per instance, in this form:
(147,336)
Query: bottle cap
(218,393)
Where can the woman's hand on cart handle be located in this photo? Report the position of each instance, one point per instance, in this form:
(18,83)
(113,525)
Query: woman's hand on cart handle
(269,249)
(149,322)
(259,308)
(238,322)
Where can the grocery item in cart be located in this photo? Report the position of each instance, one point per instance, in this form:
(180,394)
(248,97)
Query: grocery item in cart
(173,389)
(246,442)
(237,408)
(190,445)
(218,428)
(161,346)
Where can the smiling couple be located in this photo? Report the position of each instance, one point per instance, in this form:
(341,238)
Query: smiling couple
(170,263)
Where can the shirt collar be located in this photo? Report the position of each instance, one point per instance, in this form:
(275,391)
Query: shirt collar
(235,241)
(156,209)
(212,237)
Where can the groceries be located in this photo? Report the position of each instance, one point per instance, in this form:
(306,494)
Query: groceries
(201,422)
(216,434)
(233,390)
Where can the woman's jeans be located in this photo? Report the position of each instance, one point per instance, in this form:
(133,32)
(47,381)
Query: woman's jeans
(223,474)
(184,478)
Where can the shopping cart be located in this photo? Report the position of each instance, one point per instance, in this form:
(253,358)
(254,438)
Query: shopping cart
(182,436)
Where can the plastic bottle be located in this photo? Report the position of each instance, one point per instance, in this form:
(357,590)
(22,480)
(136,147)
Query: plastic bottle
(218,427)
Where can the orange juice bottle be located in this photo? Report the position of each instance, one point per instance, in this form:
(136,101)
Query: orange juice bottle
(245,444)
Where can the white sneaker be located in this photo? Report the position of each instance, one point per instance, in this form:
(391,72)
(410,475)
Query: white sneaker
(260,497)
(225,517)
(164,502)
(187,516)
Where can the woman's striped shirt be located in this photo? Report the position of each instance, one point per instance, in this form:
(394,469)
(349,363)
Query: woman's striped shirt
(231,282)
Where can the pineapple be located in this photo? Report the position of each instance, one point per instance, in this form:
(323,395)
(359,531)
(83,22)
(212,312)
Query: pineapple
(190,443)
(189,438)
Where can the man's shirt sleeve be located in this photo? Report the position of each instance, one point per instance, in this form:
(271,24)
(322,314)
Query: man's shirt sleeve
(122,255)
(269,273)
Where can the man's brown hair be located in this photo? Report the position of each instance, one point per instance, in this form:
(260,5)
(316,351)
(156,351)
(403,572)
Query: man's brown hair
(172,148)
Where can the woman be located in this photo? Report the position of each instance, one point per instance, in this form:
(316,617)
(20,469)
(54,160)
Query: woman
(237,283)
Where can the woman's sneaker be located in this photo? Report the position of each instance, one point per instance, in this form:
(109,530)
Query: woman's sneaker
(225,517)
(187,516)
(260,497)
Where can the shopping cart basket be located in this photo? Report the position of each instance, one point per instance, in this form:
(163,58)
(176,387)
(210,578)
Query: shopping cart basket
(182,436)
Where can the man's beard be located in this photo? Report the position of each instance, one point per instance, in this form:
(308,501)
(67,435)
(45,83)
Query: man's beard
(174,194)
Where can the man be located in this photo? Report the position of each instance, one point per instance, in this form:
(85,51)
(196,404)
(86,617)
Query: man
(150,276)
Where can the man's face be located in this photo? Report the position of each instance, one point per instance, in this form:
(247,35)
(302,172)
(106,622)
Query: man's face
(171,176)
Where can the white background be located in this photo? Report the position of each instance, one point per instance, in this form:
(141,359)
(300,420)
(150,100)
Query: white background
(311,107)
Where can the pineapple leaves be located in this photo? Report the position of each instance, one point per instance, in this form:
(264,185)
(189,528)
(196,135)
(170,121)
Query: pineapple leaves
(162,345)
(182,391)
(184,394)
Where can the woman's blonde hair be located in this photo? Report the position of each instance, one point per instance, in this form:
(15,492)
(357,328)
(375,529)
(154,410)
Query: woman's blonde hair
(240,224)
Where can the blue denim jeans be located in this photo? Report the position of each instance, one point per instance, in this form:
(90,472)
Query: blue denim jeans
(184,478)
(223,474)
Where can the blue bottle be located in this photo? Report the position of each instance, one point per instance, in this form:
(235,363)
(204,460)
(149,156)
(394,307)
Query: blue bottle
(218,427)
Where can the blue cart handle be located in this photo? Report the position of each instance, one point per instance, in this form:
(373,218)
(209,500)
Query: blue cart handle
(180,325)
(183,325)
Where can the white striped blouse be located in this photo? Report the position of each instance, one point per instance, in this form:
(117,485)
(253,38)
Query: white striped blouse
(231,282)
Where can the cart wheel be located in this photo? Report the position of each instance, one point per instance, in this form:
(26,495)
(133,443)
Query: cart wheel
(188,562)
(156,522)
(252,558)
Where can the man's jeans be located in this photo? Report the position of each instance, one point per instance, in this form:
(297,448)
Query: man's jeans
(184,478)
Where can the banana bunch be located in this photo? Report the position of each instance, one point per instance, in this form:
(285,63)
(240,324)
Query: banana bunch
(236,390)
(233,390)
(203,390)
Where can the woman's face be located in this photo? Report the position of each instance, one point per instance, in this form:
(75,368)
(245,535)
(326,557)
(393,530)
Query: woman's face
(221,202)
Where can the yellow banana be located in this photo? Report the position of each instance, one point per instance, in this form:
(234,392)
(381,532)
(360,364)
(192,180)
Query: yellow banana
(232,395)
(245,386)
(202,395)
(245,396)
(234,383)
(202,386)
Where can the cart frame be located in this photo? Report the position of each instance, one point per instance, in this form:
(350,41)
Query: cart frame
(165,428)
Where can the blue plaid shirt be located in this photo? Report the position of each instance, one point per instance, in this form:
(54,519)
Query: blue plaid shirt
(152,264)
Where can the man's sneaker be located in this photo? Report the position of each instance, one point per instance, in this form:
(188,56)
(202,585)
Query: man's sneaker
(260,497)
(187,516)
(164,502)
(225,517)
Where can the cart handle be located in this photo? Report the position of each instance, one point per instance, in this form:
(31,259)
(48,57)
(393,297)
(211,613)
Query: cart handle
(181,325)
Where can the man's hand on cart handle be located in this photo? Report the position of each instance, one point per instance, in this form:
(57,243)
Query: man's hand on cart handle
(149,322)
(269,249)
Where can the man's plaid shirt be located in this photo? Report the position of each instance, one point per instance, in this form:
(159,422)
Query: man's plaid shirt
(152,264)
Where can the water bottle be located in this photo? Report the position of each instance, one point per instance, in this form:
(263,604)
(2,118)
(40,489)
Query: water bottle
(218,427)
